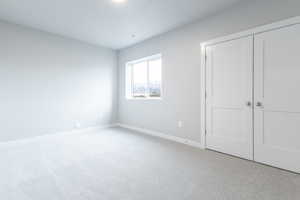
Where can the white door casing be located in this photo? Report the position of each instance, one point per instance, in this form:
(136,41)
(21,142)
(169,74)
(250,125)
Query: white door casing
(276,86)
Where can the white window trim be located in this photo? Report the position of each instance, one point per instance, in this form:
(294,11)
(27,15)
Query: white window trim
(129,96)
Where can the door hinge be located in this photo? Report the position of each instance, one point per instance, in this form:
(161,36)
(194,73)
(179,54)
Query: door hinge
(205,95)
(205,132)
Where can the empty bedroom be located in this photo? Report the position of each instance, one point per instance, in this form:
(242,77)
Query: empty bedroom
(150,100)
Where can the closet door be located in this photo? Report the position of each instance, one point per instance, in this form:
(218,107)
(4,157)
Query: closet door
(229,112)
(277,98)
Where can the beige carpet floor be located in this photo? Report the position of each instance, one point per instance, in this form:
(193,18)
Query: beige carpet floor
(118,164)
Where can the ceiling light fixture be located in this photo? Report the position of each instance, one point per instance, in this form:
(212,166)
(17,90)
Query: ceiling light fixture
(119,1)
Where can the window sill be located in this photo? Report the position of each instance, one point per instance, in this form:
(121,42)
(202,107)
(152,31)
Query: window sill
(143,98)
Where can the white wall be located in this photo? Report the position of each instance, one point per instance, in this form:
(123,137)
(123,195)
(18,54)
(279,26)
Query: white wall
(47,83)
(181,66)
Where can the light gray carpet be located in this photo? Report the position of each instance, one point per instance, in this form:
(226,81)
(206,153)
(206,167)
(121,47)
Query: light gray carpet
(117,164)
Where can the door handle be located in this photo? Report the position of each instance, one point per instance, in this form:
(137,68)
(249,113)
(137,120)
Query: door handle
(248,103)
(259,104)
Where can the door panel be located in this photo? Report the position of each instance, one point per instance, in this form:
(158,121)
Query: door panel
(229,73)
(277,81)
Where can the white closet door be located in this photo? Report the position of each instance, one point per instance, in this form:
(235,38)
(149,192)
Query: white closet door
(229,69)
(277,98)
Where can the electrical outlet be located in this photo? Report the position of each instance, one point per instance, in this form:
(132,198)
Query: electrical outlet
(180,124)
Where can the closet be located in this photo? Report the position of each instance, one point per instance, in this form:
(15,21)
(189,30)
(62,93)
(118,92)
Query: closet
(252,105)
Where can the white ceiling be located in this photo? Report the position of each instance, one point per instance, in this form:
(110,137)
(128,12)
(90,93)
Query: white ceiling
(105,23)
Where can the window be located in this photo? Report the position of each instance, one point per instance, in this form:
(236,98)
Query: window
(143,78)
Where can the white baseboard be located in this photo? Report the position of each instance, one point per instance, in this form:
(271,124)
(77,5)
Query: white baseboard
(82,130)
(44,136)
(92,128)
(163,135)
